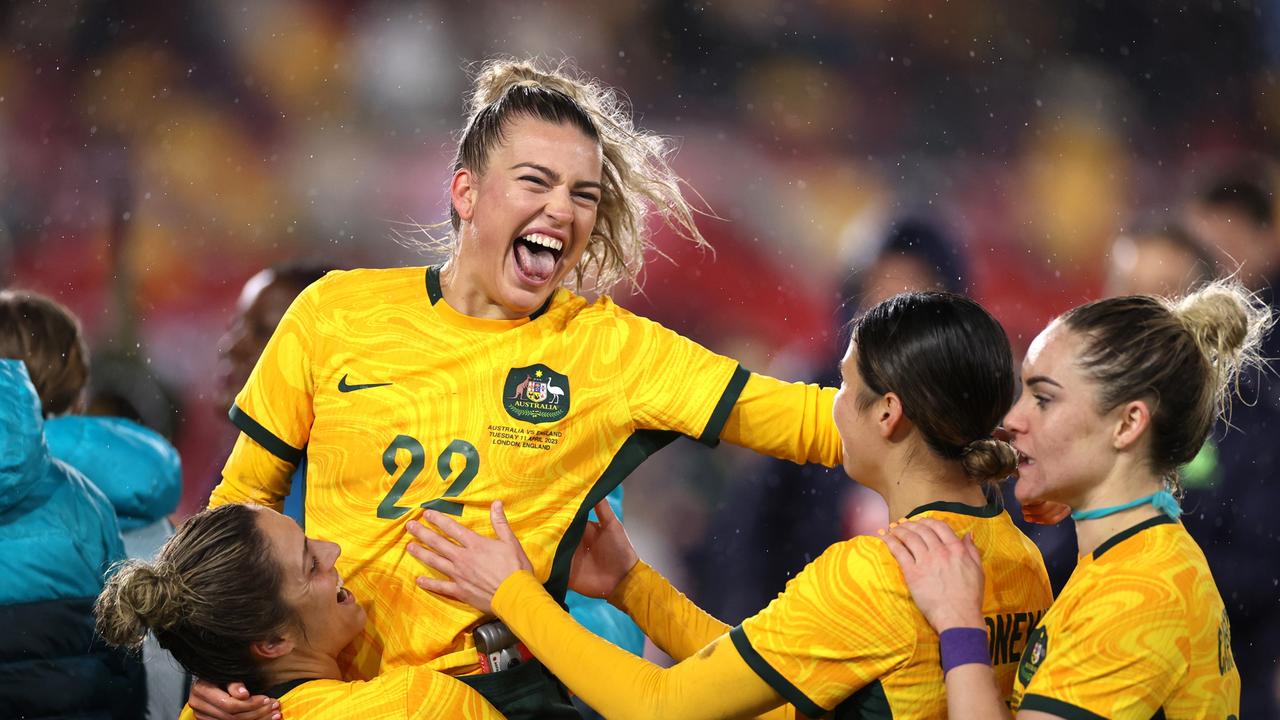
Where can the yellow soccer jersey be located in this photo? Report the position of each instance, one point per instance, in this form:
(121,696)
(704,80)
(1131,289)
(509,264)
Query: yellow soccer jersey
(1139,631)
(401,403)
(846,636)
(403,693)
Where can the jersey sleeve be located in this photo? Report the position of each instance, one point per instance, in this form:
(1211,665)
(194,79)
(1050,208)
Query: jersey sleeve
(672,382)
(713,683)
(671,620)
(274,411)
(839,625)
(1117,658)
(275,406)
(791,421)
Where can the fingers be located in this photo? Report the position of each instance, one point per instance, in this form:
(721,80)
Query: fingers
(911,539)
(446,588)
(900,552)
(211,702)
(972,550)
(434,541)
(501,528)
(604,511)
(936,532)
(433,560)
(460,534)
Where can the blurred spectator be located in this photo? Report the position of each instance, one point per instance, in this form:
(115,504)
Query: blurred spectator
(262,304)
(58,533)
(1161,258)
(1233,518)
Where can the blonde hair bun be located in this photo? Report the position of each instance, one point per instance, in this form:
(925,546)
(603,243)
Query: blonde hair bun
(989,459)
(139,597)
(1228,324)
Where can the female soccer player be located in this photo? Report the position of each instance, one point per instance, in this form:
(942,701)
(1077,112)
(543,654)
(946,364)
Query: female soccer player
(925,380)
(239,593)
(1118,393)
(451,387)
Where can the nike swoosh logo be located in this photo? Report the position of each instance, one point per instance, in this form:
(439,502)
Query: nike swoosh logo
(346,388)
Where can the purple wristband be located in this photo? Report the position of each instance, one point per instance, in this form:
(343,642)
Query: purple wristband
(963,646)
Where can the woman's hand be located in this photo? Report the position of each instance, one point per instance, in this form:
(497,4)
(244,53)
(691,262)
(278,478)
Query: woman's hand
(211,702)
(943,572)
(604,557)
(476,565)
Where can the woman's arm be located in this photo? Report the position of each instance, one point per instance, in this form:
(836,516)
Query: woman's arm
(253,474)
(791,421)
(494,575)
(605,565)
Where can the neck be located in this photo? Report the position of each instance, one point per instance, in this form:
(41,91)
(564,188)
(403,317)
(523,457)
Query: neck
(1122,485)
(466,296)
(909,485)
(301,665)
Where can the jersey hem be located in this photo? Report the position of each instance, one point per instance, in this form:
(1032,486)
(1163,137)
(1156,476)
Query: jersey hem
(264,437)
(720,414)
(772,677)
(1058,707)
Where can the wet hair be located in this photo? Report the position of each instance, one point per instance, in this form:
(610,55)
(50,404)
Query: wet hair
(636,176)
(212,591)
(949,362)
(1181,356)
(1246,190)
(46,337)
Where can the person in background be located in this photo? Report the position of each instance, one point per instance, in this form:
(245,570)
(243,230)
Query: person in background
(1233,520)
(1158,258)
(58,532)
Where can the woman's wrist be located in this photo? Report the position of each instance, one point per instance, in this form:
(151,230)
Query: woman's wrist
(618,598)
(510,589)
(963,646)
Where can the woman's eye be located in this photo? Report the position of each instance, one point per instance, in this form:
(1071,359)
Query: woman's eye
(1041,400)
(534,179)
(589,197)
(315,564)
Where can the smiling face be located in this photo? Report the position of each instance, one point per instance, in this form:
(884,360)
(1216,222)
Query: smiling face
(526,218)
(1066,446)
(310,584)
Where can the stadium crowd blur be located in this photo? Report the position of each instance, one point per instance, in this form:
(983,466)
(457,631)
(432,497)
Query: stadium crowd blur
(154,156)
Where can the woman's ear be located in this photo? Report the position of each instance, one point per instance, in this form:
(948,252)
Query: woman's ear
(271,649)
(1134,419)
(462,193)
(889,416)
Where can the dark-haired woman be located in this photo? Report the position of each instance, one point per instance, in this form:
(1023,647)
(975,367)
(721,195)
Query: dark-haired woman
(240,593)
(1118,394)
(450,387)
(925,380)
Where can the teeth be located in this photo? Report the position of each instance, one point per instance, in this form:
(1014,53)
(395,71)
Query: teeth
(545,241)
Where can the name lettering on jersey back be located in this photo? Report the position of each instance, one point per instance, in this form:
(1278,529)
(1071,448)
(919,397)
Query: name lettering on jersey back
(1007,634)
(524,437)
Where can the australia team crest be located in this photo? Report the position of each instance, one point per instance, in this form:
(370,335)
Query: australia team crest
(536,394)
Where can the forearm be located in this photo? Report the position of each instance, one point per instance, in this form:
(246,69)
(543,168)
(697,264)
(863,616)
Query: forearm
(714,683)
(791,421)
(671,620)
(972,694)
(252,475)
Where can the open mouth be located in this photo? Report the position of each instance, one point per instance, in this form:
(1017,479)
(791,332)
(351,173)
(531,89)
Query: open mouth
(344,595)
(1024,459)
(536,257)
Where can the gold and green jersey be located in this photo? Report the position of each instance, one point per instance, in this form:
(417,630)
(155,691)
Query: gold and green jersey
(1139,631)
(403,693)
(401,403)
(845,635)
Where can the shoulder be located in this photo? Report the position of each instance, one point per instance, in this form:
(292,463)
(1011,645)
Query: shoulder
(102,447)
(367,287)
(859,567)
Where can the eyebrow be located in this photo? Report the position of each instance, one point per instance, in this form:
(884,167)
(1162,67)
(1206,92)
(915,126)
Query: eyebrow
(555,176)
(1043,379)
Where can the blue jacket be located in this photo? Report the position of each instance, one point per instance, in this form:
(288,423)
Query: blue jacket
(58,533)
(58,536)
(137,469)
